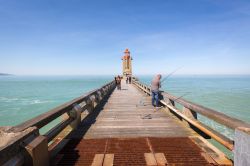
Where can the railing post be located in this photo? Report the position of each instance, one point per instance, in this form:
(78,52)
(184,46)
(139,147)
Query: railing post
(169,102)
(76,114)
(93,100)
(99,96)
(242,147)
(105,89)
(189,113)
(12,143)
(36,152)
(90,105)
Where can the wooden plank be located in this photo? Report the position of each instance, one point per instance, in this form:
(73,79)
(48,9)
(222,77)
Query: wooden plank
(17,160)
(108,160)
(160,159)
(98,160)
(217,155)
(52,133)
(209,158)
(150,159)
(56,146)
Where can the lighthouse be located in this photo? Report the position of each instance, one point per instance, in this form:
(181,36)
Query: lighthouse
(127,63)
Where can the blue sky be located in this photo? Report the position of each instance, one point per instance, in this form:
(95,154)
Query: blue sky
(77,37)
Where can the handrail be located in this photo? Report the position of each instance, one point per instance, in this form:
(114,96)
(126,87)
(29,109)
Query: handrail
(221,118)
(28,131)
(45,118)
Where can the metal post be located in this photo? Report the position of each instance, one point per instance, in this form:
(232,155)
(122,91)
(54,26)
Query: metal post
(242,147)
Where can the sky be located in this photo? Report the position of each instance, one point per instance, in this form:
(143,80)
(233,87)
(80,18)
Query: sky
(88,37)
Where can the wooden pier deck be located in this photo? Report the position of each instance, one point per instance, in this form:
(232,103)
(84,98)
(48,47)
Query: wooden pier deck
(127,130)
(129,113)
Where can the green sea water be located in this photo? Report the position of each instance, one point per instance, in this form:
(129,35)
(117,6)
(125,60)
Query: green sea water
(24,97)
(227,94)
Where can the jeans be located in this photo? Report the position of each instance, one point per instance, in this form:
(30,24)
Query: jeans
(118,86)
(155,98)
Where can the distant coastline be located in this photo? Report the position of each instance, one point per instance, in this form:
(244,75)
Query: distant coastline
(5,74)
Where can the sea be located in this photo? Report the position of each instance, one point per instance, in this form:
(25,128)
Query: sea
(24,97)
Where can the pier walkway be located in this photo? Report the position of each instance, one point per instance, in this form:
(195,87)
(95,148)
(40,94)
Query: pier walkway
(127,130)
(129,113)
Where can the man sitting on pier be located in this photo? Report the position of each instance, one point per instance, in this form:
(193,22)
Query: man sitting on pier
(155,86)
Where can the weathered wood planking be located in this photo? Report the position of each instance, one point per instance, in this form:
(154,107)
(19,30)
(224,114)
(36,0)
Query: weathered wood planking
(128,113)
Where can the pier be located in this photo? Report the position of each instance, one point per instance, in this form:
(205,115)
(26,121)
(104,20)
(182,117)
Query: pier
(108,127)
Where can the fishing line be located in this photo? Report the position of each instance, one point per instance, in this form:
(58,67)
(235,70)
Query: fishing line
(165,78)
(141,102)
(185,94)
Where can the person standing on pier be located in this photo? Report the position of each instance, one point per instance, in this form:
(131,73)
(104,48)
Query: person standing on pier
(118,82)
(155,86)
(129,79)
(115,81)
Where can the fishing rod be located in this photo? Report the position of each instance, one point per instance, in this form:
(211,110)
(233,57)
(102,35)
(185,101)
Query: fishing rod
(173,101)
(185,94)
(165,78)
